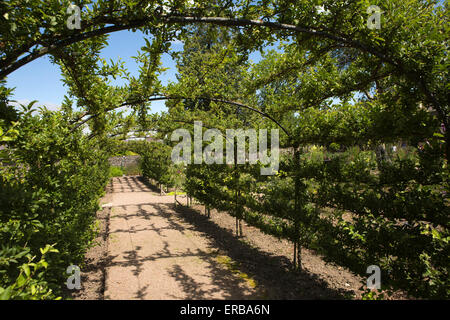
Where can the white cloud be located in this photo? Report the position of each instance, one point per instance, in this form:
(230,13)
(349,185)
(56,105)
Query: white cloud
(49,105)
(177,42)
(321,9)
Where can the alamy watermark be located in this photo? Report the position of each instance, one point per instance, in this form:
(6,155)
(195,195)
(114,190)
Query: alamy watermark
(74,20)
(373,21)
(235,153)
(374,281)
(74,280)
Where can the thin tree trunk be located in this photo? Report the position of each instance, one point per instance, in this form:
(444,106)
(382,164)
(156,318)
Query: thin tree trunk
(297,244)
(175,196)
(299,257)
(447,143)
(295,255)
(236,192)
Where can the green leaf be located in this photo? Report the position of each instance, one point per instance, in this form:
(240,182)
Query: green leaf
(21,280)
(5,294)
(26,269)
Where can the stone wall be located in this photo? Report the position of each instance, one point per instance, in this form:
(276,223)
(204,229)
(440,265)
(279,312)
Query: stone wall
(124,161)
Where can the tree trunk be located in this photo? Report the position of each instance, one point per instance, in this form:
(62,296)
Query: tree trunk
(297,243)
(236,191)
(295,255)
(175,196)
(380,152)
(447,144)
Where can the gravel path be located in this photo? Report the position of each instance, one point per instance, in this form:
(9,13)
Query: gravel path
(154,254)
(149,249)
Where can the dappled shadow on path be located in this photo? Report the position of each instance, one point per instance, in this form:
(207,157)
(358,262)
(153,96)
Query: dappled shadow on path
(128,184)
(190,287)
(198,276)
(225,267)
(271,272)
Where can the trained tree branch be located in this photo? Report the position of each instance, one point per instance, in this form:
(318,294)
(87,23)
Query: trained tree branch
(119,24)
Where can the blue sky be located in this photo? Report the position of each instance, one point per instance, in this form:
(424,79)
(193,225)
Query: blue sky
(41,80)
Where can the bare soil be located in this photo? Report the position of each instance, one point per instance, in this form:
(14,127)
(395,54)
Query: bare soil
(93,270)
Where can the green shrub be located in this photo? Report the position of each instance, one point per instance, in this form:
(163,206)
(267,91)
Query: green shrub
(156,164)
(115,172)
(49,196)
(396,212)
